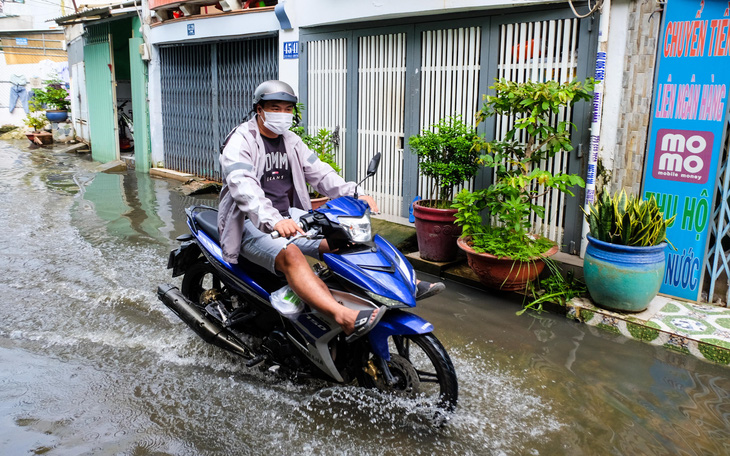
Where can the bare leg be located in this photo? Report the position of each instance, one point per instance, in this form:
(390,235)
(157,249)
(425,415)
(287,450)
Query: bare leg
(292,263)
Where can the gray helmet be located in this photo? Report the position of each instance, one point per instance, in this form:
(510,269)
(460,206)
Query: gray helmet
(274,90)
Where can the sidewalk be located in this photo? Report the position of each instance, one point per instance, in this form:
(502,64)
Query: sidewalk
(694,329)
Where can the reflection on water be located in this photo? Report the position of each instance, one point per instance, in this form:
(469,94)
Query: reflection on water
(122,209)
(92,363)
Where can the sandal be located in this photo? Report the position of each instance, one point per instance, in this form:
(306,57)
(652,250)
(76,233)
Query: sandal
(427,289)
(363,323)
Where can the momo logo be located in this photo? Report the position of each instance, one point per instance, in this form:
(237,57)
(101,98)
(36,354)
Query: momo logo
(683,155)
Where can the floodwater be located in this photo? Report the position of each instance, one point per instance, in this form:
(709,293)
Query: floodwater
(92,363)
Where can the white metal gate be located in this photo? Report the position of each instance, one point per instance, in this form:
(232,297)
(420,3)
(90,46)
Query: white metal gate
(381,86)
(327,88)
(381,109)
(450,69)
(540,51)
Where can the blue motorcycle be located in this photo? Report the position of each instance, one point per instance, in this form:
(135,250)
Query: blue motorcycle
(239,307)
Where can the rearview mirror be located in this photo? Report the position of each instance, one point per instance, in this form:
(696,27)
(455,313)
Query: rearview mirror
(373,166)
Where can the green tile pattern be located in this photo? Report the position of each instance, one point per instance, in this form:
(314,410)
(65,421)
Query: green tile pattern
(694,329)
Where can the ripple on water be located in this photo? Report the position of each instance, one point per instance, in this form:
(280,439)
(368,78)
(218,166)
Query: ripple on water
(92,363)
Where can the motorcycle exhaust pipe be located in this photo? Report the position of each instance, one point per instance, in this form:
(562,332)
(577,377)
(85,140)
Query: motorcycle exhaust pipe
(209,330)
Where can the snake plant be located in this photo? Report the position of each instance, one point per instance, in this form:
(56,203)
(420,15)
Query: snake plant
(627,220)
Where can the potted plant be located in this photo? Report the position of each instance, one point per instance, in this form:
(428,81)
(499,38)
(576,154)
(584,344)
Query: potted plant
(501,248)
(445,154)
(55,98)
(624,262)
(36,121)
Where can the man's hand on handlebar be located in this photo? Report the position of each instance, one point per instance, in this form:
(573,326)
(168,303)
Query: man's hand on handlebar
(371,202)
(288,228)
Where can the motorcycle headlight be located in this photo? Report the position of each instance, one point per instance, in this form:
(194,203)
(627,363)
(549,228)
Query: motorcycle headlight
(357,228)
(384,300)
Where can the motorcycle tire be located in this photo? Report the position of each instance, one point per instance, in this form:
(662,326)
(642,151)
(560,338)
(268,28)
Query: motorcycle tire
(199,278)
(435,384)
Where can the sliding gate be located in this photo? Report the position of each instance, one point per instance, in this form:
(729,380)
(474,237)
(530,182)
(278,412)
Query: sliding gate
(377,86)
(207,89)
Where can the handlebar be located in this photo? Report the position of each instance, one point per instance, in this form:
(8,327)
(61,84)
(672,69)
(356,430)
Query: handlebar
(276,235)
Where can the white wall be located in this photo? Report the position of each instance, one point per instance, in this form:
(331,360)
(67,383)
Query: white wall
(613,85)
(207,28)
(320,12)
(42,70)
(37,12)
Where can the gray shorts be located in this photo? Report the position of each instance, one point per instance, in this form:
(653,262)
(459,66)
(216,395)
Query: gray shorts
(259,248)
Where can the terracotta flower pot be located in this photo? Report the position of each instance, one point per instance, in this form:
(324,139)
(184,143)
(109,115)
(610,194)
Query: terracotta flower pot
(318,202)
(436,231)
(40,138)
(503,273)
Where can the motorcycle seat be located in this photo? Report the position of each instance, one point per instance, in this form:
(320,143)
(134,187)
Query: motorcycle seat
(208,222)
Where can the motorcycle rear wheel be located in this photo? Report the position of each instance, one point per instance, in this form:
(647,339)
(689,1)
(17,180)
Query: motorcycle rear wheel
(423,368)
(198,279)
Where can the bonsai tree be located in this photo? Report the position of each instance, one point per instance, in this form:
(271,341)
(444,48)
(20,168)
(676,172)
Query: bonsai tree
(446,153)
(35,119)
(54,95)
(517,160)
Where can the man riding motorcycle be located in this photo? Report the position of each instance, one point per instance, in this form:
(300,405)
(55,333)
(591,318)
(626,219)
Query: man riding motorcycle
(265,171)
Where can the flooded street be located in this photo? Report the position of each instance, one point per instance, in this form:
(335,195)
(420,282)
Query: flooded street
(91,362)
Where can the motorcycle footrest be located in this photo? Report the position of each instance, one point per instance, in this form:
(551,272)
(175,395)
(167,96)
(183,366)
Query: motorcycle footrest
(256,361)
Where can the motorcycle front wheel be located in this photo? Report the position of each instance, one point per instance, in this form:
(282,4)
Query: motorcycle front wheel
(422,370)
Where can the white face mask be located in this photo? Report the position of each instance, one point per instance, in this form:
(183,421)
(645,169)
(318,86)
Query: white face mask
(278,122)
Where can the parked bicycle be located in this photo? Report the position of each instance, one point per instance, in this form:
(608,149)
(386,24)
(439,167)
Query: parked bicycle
(126,140)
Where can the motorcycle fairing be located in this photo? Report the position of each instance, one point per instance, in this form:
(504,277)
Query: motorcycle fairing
(396,323)
(182,256)
(317,349)
(383,272)
(346,206)
(211,248)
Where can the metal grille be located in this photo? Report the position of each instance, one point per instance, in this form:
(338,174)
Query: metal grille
(381,107)
(327,88)
(96,34)
(449,83)
(242,66)
(206,91)
(539,51)
(187,114)
(717,263)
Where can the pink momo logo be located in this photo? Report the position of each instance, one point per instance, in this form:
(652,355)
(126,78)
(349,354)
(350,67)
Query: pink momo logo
(683,155)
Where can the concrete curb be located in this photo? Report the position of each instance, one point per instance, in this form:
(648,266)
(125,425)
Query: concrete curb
(170,174)
(702,331)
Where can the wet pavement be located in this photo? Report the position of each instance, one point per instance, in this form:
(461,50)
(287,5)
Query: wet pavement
(92,363)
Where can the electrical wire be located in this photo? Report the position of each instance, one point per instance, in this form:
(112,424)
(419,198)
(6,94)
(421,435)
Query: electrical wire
(597,6)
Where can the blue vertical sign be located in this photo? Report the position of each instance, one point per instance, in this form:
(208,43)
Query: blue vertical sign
(687,133)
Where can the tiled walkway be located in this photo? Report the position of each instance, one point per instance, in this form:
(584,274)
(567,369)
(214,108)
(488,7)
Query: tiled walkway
(700,330)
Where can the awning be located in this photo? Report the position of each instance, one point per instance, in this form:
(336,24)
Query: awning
(103,12)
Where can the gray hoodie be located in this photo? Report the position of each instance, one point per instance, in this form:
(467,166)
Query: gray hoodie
(242,164)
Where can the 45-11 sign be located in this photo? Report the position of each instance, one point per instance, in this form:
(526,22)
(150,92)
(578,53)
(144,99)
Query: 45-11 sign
(291,49)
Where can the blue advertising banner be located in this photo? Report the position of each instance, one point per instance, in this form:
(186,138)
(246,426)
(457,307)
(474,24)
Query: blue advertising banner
(687,133)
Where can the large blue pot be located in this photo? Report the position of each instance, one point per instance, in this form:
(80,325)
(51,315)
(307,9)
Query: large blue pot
(57,116)
(623,278)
